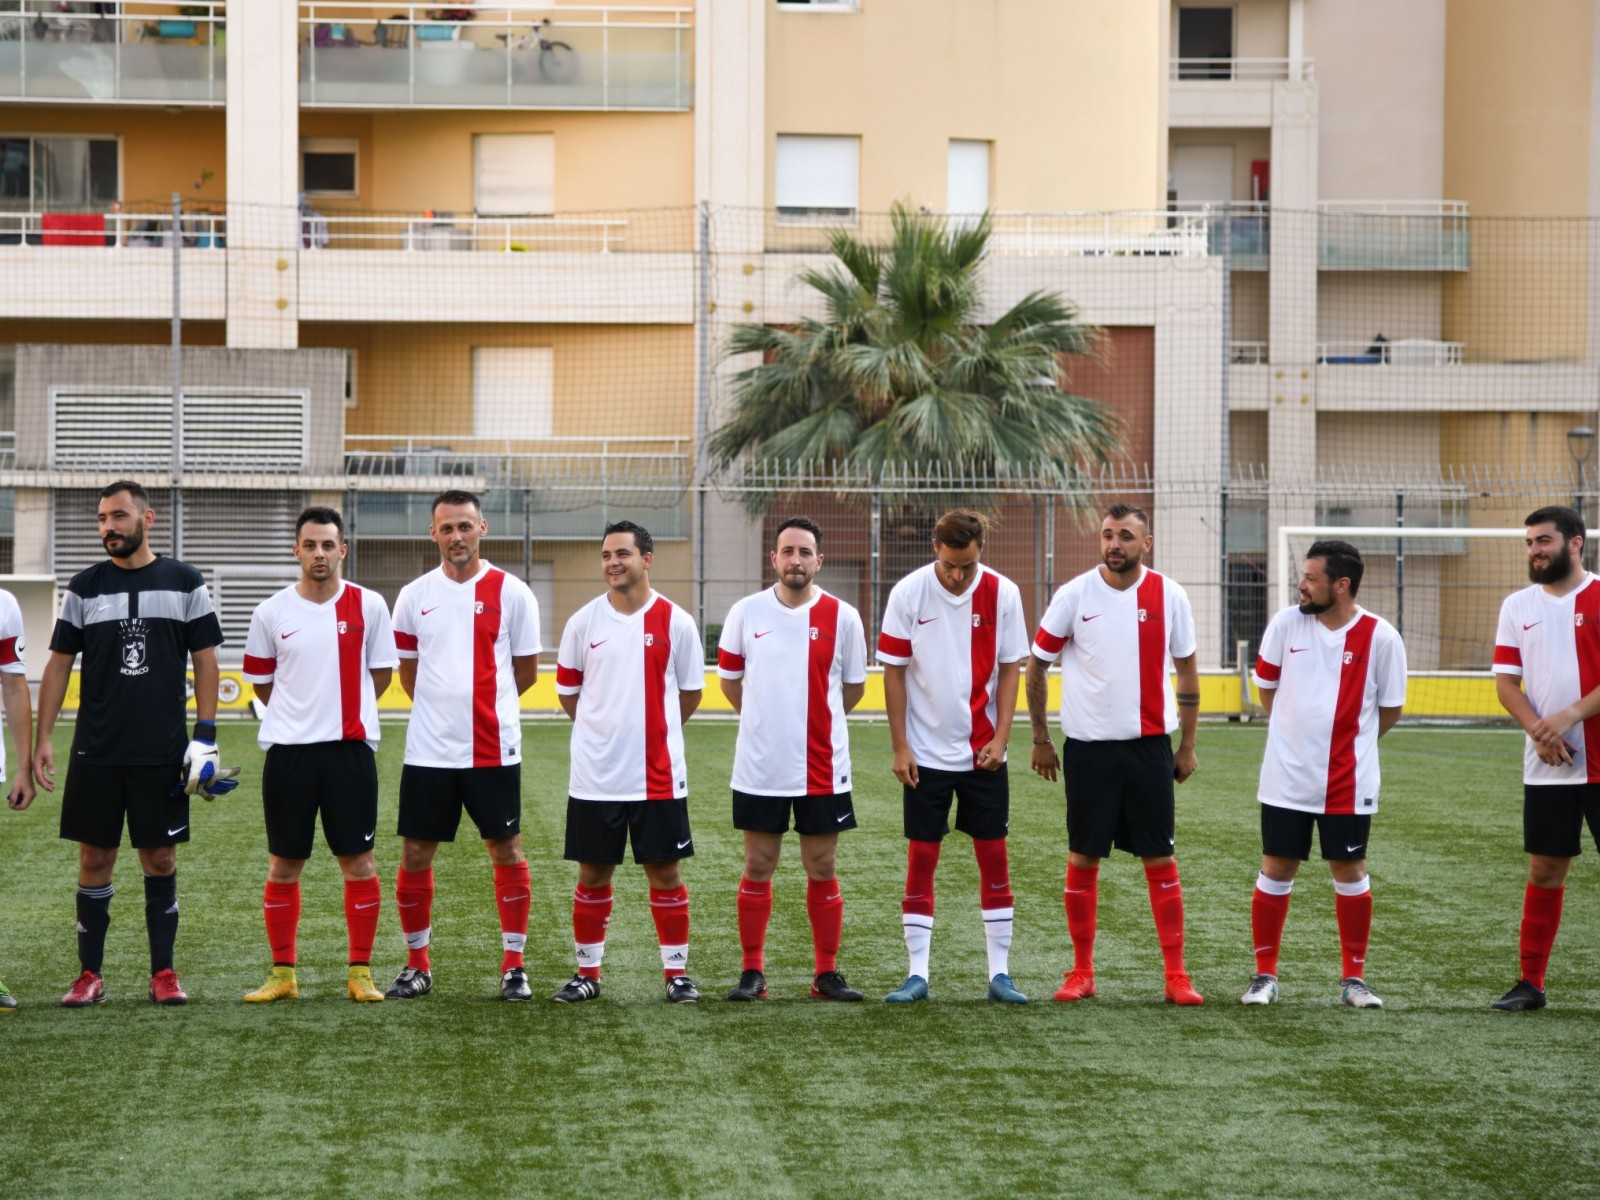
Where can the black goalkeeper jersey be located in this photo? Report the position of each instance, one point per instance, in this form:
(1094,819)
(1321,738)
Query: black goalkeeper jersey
(135,630)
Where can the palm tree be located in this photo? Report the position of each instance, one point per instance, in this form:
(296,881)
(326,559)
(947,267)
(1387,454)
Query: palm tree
(900,376)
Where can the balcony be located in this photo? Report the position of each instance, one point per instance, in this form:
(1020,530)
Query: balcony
(605,58)
(138,54)
(1388,235)
(1230,93)
(1241,232)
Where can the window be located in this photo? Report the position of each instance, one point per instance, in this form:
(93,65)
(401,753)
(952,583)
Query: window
(515,174)
(818,178)
(328,167)
(57,174)
(513,392)
(967,186)
(1205,43)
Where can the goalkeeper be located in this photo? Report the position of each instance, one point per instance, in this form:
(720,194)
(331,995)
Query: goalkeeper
(138,619)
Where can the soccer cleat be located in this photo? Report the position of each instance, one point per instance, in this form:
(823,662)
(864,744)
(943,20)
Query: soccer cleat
(280,985)
(1522,998)
(577,989)
(1076,985)
(752,986)
(913,989)
(1263,989)
(8,1002)
(165,988)
(409,984)
(830,985)
(514,985)
(1355,993)
(1003,991)
(86,989)
(360,987)
(1181,991)
(681,990)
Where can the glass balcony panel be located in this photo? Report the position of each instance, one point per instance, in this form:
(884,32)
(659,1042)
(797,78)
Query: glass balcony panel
(127,55)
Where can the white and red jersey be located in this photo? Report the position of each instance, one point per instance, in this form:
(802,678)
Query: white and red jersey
(11,648)
(1553,643)
(319,660)
(952,647)
(1116,650)
(793,740)
(1322,743)
(466,711)
(627,671)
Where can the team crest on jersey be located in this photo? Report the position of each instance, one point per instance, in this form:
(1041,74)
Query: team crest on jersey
(1349,657)
(815,633)
(977,620)
(1577,619)
(649,639)
(344,627)
(477,607)
(135,647)
(1143,615)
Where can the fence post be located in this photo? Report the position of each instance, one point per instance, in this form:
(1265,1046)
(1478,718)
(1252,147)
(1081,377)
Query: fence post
(1400,565)
(177,376)
(876,556)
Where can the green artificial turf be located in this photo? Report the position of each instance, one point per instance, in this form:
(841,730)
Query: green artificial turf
(463,1094)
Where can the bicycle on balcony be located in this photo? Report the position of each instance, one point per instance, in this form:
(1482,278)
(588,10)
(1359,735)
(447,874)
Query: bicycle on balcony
(558,62)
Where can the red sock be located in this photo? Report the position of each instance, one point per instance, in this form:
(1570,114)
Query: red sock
(1355,931)
(671,912)
(591,914)
(1083,907)
(413,896)
(1541,917)
(1166,905)
(1267,915)
(921,859)
(362,898)
(755,910)
(513,893)
(281,905)
(994,873)
(825,907)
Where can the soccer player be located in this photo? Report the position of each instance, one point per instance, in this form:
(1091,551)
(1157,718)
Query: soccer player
(952,645)
(629,674)
(1333,679)
(19,717)
(1547,676)
(319,654)
(1115,629)
(794,747)
(467,634)
(138,619)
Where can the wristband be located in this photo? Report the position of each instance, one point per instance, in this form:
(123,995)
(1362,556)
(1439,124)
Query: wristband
(1046,742)
(205,731)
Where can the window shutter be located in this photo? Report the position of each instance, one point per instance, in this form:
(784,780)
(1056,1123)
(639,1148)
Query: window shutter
(513,392)
(818,175)
(516,174)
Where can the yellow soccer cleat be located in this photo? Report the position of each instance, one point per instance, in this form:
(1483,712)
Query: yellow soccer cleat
(361,986)
(280,985)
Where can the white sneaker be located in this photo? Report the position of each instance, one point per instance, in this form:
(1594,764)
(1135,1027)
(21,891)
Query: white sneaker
(1358,995)
(1263,989)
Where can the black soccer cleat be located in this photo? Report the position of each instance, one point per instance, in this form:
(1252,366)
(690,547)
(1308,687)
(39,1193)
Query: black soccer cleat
(577,989)
(681,990)
(1522,998)
(514,985)
(830,985)
(752,986)
(410,984)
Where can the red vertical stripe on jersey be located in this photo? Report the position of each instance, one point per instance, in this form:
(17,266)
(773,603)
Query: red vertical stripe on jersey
(1151,601)
(819,715)
(1586,636)
(485,632)
(985,613)
(1347,716)
(657,658)
(350,634)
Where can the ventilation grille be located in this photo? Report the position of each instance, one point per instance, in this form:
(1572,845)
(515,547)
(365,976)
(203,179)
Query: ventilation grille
(130,430)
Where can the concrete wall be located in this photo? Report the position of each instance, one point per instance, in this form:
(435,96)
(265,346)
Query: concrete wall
(162,152)
(1358,305)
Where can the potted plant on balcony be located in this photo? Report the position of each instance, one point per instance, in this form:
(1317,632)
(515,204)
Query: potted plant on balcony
(448,28)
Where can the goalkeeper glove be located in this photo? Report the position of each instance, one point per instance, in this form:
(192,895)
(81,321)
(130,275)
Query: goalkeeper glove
(203,771)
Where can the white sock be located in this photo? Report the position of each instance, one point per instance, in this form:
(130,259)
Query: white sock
(417,939)
(674,958)
(919,934)
(590,954)
(997,933)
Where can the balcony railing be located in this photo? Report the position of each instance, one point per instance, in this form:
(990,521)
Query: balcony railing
(1091,235)
(589,235)
(1189,70)
(583,466)
(387,55)
(1247,354)
(117,230)
(1242,231)
(1390,235)
(1403,352)
(135,53)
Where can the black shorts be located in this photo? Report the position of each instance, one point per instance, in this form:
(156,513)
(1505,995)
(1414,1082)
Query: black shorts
(1553,815)
(338,778)
(599,830)
(983,804)
(1286,833)
(813,815)
(431,800)
(1120,794)
(97,795)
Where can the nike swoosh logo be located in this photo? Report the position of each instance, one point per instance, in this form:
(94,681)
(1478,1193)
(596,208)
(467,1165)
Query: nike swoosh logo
(368,837)
(426,611)
(511,822)
(513,899)
(290,634)
(763,633)
(914,895)
(1166,883)
(601,642)
(684,843)
(264,904)
(1077,891)
(177,831)
(843,819)
(742,892)
(998,886)
(929,621)
(1095,617)
(368,904)
(402,904)
(1263,949)
(1298,649)
(1353,958)
(1353,849)
(1525,628)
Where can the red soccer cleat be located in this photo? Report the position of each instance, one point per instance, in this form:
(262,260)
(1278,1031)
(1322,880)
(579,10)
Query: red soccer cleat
(1079,985)
(165,988)
(1181,991)
(86,989)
